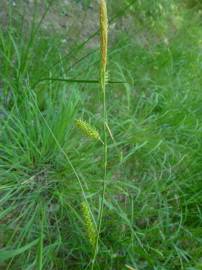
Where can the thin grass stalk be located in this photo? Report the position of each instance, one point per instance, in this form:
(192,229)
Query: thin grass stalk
(103,72)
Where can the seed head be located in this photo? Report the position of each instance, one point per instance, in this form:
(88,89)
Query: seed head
(87,129)
(103,34)
(89,224)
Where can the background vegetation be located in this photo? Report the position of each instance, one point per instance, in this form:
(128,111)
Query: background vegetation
(152,210)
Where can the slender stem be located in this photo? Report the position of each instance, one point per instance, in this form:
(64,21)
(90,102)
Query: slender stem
(103,72)
(105,160)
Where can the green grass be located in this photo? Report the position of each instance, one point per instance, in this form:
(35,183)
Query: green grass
(152,216)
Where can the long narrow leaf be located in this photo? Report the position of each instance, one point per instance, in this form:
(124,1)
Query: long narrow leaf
(72,81)
(6,254)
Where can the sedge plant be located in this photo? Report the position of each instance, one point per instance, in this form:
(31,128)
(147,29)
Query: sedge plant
(103,81)
(149,214)
(93,134)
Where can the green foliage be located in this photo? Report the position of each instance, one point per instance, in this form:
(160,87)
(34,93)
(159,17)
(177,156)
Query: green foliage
(152,217)
(152,11)
(7,254)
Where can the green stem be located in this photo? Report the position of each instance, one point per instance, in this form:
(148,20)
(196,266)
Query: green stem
(105,159)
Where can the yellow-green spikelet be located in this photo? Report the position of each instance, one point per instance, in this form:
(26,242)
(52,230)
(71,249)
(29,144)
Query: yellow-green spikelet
(87,129)
(103,34)
(89,225)
(103,43)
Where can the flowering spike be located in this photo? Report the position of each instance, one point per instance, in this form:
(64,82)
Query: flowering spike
(103,34)
(87,129)
(89,224)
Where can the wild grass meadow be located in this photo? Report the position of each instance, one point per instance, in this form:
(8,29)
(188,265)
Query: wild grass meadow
(101,135)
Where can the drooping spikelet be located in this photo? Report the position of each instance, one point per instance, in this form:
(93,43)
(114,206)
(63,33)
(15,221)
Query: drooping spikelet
(87,129)
(89,224)
(103,34)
